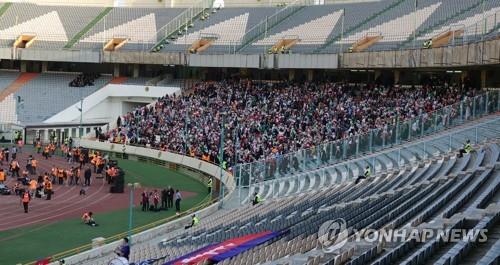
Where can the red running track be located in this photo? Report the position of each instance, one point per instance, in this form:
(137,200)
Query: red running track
(66,201)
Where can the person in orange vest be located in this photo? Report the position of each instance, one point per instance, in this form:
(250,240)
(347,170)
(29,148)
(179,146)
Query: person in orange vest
(48,189)
(112,172)
(25,200)
(2,154)
(34,164)
(2,176)
(45,152)
(60,176)
(32,187)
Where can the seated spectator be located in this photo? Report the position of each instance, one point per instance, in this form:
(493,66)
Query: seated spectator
(266,120)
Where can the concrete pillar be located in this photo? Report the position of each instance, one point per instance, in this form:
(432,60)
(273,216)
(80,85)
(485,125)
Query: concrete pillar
(377,74)
(310,75)
(135,72)
(116,70)
(397,75)
(483,78)
(24,66)
(45,137)
(45,66)
(463,76)
(70,132)
(291,74)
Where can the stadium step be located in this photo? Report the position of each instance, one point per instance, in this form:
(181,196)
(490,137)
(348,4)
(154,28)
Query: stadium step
(270,26)
(333,39)
(17,84)
(87,28)
(438,24)
(4,8)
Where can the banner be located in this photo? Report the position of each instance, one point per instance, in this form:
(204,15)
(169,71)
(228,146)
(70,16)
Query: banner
(227,249)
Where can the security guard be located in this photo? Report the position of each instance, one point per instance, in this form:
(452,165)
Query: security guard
(224,165)
(257,199)
(194,222)
(428,44)
(368,173)
(467,149)
(209,185)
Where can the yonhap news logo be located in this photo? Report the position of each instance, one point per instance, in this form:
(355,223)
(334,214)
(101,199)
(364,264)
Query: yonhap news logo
(332,235)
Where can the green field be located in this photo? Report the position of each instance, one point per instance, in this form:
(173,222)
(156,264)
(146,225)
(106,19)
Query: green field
(34,242)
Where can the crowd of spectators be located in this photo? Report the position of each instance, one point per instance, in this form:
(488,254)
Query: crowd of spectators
(264,120)
(85,79)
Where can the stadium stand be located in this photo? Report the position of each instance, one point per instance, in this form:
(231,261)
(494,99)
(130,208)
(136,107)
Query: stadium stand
(439,192)
(228,23)
(345,119)
(53,25)
(138,25)
(50,93)
(91,27)
(7,102)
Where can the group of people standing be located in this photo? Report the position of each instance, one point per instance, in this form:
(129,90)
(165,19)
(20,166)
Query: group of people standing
(156,200)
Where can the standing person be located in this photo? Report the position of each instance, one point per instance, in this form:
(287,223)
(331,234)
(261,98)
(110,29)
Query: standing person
(45,152)
(170,197)
(33,184)
(2,176)
(25,200)
(13,152)
(76,174)
(34,165)
(209,185)
(145,201)
(156,200)
(48,189)
(6,152)
(87,174)
(178,199)
(14,168)
(164,199)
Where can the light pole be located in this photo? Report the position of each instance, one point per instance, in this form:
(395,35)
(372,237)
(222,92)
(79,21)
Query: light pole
(132,187)
(80,109)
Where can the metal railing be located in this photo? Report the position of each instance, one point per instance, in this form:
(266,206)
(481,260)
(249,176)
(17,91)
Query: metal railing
(263,27)
(349,170)
(394,133)
(184,19)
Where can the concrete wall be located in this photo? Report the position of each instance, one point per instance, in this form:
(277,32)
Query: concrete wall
(187,162)
(483,53)
(106,103)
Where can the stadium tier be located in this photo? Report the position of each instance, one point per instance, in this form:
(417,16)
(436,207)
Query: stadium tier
(49,93)
(271,120)
(336,132)
(399,23)
(440,192)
